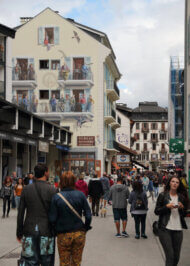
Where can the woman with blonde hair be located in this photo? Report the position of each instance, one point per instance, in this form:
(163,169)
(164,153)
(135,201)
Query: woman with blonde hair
(65,215)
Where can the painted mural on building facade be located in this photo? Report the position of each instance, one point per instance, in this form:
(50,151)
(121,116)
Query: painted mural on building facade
(67,87)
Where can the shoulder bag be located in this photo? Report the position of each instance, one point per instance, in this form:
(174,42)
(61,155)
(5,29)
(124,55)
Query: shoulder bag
(73,210)
(155,228)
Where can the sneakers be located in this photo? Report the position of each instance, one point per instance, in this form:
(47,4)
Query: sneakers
(124,233)
(144,236)
(118,235)
(137,237)
(3,216)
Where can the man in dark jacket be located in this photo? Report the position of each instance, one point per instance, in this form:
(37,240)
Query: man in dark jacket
(95,191)
(32,220)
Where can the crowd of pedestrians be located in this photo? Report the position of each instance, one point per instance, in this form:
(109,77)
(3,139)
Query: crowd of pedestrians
(64,211)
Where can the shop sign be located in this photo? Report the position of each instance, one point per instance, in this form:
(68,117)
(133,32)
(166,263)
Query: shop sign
(43,146)
(122,165)
(85,141)
(123,158)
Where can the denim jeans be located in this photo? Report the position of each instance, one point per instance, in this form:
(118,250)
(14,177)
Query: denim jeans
(156,189)
(140,219)
(17,201)
(38,250)
(171,241)
(13,202)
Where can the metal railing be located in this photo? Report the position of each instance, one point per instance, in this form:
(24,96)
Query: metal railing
(64,107)
(20,74)
(76,74)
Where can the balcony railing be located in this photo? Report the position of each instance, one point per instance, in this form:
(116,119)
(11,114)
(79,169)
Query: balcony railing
(154,140)
(76,74)
(64,107)
(163,150)
(23,74)
(145,130)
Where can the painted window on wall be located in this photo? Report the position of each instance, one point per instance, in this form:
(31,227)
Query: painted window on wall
(48,35)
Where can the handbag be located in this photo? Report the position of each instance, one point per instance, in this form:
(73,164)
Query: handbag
(155,228)
(73,210)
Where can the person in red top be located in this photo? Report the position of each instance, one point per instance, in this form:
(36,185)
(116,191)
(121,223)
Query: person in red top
(81,185)
(110,180)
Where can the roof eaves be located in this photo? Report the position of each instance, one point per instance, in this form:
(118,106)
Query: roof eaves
(102,34)
(7,31)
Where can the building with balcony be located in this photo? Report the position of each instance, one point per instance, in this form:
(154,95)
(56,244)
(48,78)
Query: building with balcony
(6,35)
(149,135)
(66,72)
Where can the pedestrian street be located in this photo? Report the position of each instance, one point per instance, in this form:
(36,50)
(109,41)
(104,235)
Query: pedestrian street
(102,247)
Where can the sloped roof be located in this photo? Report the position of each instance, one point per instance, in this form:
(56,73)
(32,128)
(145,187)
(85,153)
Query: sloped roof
(149,107)
(96,34)
(7,31)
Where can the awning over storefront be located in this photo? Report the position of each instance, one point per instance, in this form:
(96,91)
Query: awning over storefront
(115,165)
(125,149)
(140,164)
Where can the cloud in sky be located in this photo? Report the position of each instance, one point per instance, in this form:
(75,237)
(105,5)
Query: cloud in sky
(143,33)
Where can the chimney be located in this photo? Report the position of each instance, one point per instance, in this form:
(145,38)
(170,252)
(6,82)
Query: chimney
(57,12)
(23,20)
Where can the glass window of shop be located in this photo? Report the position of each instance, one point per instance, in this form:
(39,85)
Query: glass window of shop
(84,162)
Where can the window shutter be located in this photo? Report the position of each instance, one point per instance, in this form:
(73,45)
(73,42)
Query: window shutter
(56,35)
(40,35)
(68,63)
(87,61)
(31,61)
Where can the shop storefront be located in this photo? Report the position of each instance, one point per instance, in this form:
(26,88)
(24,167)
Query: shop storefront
(82,162)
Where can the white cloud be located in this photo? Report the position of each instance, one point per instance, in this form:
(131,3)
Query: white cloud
(143,41)
(12,10)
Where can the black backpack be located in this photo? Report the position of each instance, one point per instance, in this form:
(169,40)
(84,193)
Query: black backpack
(139,203)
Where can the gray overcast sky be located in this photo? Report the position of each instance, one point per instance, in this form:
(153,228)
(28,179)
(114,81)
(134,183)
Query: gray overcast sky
(143,33)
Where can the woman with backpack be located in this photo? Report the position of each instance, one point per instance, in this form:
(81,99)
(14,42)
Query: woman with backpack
(139,208)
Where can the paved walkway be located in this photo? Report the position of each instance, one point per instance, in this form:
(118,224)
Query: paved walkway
(102,247)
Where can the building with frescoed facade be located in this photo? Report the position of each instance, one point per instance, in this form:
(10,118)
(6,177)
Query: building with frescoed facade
(66,72)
